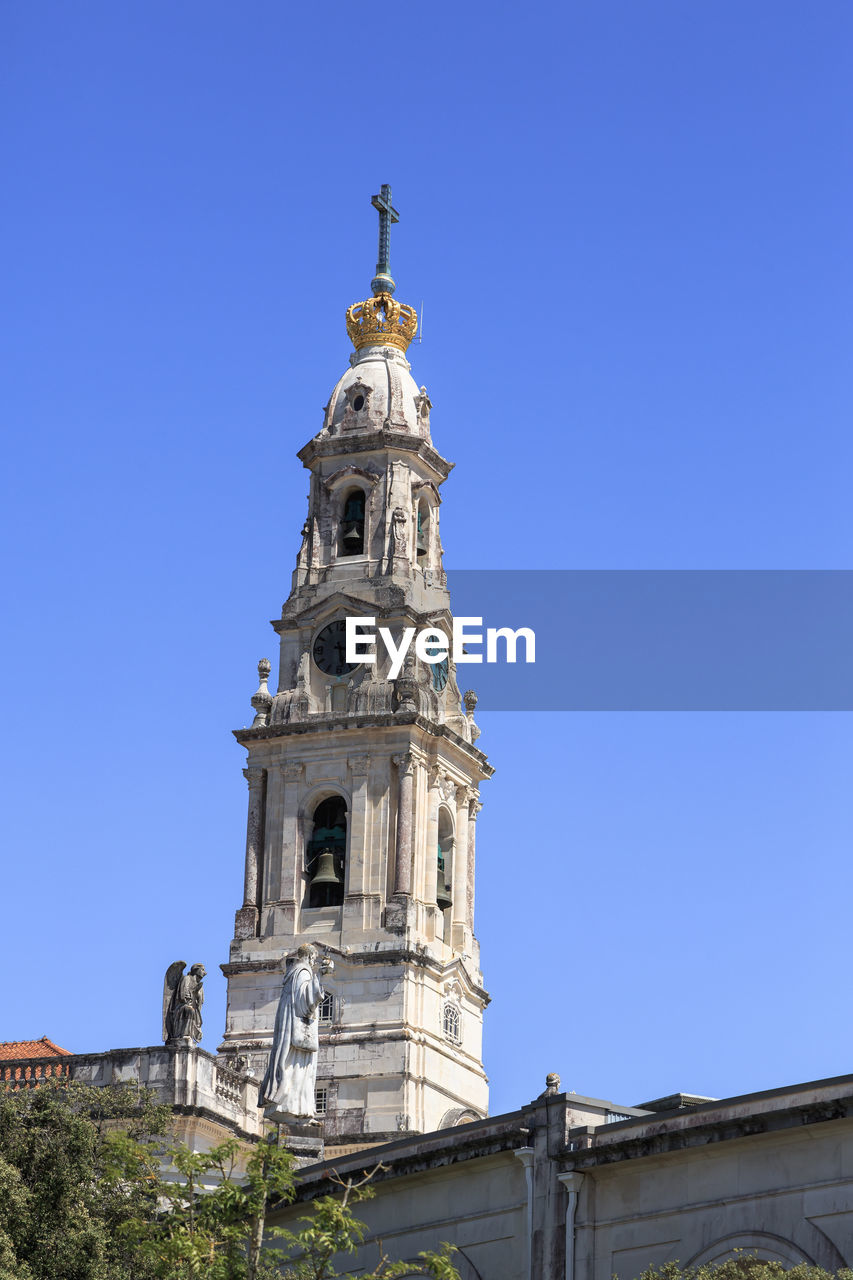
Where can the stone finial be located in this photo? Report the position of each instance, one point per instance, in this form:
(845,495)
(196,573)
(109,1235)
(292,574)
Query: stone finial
(262,700)
(552,1085)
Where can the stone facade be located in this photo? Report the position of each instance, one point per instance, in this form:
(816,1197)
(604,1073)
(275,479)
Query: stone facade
(401,1039)
(573,1188)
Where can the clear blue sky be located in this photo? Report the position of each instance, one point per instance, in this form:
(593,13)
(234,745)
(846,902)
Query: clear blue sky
(630,224)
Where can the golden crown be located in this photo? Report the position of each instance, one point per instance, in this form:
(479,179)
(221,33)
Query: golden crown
(381,321)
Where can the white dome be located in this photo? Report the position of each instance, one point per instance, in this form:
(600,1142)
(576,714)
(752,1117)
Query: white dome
(377,392)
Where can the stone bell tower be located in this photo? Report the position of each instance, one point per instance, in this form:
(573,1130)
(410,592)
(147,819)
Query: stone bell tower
(364,789)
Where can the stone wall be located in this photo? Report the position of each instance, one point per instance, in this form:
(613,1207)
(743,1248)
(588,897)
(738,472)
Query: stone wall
(211,1101)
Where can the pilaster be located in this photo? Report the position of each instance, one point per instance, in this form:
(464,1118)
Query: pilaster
(246,922)
(461,938)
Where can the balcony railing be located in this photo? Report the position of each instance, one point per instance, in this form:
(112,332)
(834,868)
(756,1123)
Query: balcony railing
(29,1073)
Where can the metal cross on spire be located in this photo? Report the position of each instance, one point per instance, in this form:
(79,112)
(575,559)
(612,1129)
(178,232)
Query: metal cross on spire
(383,281)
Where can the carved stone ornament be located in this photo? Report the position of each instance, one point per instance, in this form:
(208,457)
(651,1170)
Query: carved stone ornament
(359,766)
(399,521)
(254,777)
(357,398)
(406,689)
(423,404)
(443,783)
(405,761)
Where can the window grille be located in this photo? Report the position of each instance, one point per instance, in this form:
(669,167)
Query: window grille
(451,1023)
(321,1101)
(327,1010)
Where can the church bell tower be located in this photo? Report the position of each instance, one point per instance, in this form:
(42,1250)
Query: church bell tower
(363,785)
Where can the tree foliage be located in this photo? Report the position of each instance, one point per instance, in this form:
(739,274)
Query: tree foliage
(92,1188)
(744,1266)
(76,1163)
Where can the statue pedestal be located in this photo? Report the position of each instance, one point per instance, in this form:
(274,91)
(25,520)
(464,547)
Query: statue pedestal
(301,1137)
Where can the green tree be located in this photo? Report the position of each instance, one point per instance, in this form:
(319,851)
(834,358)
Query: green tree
(214,1224)
(744,1266)
(84,1196)
(76,1163)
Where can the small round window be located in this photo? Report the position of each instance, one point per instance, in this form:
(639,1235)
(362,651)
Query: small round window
(358,403)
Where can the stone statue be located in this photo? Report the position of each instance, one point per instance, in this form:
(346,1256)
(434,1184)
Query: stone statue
(183,996)
(288,1086)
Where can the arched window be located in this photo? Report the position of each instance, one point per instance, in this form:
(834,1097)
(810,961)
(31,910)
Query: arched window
(352,524)
(444,875)
(326,853)
(422,536)
(450,1024)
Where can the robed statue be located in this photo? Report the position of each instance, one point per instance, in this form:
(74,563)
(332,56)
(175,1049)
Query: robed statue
(183,996)
(287,1088)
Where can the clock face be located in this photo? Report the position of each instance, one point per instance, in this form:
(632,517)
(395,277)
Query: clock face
(330,650)
(440,672)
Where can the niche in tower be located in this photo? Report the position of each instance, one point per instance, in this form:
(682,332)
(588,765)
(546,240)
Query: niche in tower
(325,856)
(422,532)
(444,872)
(351,538)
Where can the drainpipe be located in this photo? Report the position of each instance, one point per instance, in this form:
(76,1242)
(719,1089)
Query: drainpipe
(572,1183)
(525,1155)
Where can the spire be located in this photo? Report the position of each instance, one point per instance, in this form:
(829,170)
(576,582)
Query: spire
(383,281)
(382,321)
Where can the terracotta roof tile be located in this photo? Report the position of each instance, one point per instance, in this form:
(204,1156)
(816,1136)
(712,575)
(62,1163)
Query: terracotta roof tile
(16,1050)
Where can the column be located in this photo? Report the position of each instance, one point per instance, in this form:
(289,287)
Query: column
(246,924)
(403,853)
(434,798)
(461,855)
(474,807)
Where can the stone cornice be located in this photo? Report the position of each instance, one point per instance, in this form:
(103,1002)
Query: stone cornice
(415,1154)
(393,955)
(721,1121)
(374,442)
(322,724)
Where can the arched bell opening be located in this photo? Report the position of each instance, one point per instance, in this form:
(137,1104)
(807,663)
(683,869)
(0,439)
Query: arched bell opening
(325,853)
(351,533)
(424,519)
(444,873)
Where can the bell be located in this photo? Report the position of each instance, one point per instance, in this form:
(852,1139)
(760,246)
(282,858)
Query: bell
(352,535)
(421,543)
(442,893)
(327,872)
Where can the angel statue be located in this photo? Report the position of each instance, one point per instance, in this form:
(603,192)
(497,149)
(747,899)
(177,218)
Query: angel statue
(183,997)
(288,1086)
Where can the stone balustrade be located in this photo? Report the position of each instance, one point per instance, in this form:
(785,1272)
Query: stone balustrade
(190,1080)
(28,1073)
